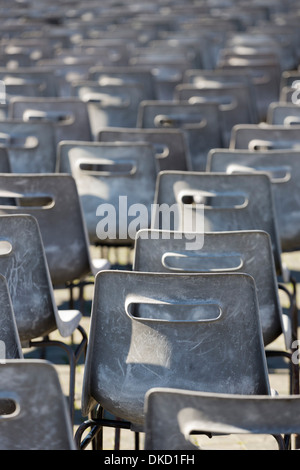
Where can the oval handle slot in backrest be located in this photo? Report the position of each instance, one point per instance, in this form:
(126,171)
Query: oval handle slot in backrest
(226,103)
(202,262)
(151,309)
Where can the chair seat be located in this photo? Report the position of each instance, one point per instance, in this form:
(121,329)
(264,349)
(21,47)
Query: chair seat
(67,321)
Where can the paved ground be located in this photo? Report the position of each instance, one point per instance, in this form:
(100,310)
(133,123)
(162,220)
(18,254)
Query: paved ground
(279,380)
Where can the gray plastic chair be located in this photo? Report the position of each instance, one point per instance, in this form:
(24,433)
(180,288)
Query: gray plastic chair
(243,251)
(282,166)
(173,416)
(29,81)
(170,145)
(230,203)
(200,122)
(265,78)
(68,115)
(10,345)
(235,103)
(112,180)
(109,105)
(34,415)
(283,114)
(30,146)
(156,313)
(24,265)
(204,78)
(265,137)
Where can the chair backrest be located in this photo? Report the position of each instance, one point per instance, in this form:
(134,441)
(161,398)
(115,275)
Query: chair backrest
(203,78)
(200,122)
(68,115)
(142,76)
(226,203)
(109,105)
(53,200)
(284,114)
(247,252)
(289,78)
(265,137)
(10,345)
(5,166)
(172,416)
(34,414)
(178,330)
(170,145)
(265,78)
(112,177)
(30,145)
(33,81)
(282,166)
(234,102)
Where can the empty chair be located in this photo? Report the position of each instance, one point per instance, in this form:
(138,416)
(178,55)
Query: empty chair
(200,123)
(10,345)
(282,166)
(33,408)
(223,202)
(283,114)
(109,105)
(174,416)
(223,77)
(68,115)
(265,137)
(30,146)
(221,346)
(114,182)
(167,64)
(170,145)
